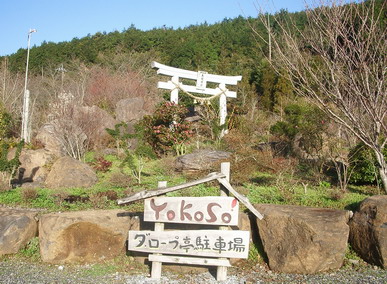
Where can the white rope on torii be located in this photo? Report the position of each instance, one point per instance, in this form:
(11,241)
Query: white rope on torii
(201,79)
(200,99)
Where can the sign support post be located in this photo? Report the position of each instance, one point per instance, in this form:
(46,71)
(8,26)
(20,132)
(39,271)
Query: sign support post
(159,227)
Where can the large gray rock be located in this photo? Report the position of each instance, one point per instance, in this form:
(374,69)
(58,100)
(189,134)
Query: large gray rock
(368,230)
(303,240)
(60,136)
(47,135)
(17,228)
(32,169)
(201,160)
(130,109)
(68,172)
(33,166)
(84,236)
(94,121)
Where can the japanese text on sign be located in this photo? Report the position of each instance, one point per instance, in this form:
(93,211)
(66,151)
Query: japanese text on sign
(232,244)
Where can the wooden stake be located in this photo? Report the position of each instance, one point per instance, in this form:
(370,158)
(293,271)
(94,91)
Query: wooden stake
(221,272)
(157,265)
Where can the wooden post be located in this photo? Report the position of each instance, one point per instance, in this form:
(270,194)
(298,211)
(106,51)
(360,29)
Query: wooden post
(225,169)
(221,272)
(157,265)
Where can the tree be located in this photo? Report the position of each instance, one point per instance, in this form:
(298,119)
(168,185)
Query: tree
(338,62)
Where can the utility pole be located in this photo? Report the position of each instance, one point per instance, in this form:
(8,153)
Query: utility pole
(25,132)
(62,70)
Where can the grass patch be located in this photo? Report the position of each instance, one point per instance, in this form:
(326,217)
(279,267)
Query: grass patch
(114,184)
(31,250)
(100,269)
(294,193)
(124,264)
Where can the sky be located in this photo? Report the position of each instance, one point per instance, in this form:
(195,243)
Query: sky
(63,20)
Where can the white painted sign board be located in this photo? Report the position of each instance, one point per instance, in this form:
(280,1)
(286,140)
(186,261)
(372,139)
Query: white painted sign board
(211,243)
(192,210)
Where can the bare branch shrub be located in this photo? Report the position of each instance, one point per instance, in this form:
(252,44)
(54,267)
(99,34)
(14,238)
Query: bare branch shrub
(67,131)
(339,63)
(11,89)
(128,78)
(29,194)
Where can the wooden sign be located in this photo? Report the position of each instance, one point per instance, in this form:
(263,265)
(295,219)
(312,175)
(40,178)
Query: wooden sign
(211,243)
(201,81)
(192,210)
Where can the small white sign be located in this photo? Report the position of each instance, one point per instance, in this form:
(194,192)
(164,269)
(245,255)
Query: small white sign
(212,243)
(201,81)
(192,210)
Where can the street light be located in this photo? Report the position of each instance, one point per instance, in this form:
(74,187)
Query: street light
(25,133)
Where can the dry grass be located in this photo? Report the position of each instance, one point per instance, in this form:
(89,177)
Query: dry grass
(29,194)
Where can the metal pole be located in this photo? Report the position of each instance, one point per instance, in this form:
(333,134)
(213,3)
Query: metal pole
(25,115)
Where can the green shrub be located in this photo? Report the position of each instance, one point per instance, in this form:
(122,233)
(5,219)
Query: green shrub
(31,250)
(363,165)
(8,167)
(166,130)
(6,123)
(306,121)
(121,135)
(135,163)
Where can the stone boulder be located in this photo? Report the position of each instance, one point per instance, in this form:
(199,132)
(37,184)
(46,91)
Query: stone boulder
(130,109)
(33,170)
(200,160)
(17,228)
(94,121)
(303,240)
(68,172)
(84,236)
(368,230)
(58,134)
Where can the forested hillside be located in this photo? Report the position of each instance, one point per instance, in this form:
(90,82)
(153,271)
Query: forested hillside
(227,44)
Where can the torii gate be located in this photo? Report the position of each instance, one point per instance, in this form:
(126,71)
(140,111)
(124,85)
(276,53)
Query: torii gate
(201,78)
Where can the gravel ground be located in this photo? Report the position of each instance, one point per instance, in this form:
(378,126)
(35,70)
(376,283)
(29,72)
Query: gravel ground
(17,271)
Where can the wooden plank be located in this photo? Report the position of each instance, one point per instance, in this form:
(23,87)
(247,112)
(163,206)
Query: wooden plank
(172,71)
(192,89)
(210,210)
(211,243)
(241,198)
(146,194)
(182,73)
(190,260)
